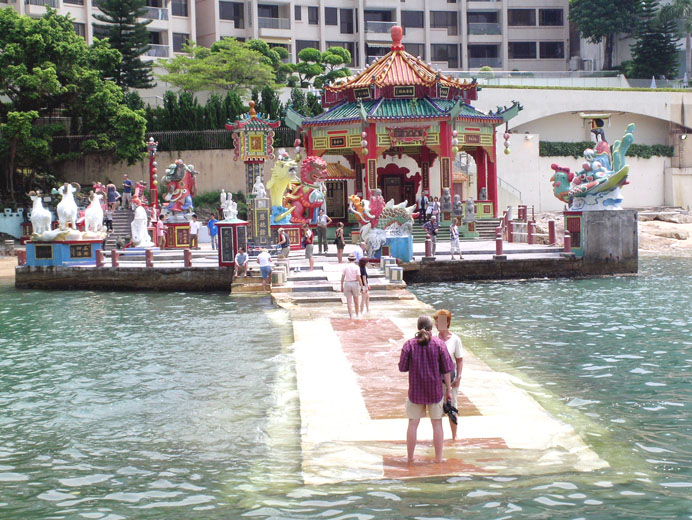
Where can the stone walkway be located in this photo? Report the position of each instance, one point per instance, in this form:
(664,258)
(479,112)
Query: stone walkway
(352,396)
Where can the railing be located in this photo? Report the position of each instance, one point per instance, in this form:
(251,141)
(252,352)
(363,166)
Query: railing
(45,3)
(273,23)
(156,13)
(484,28)
(477,63)
(509,188)
(379,27)
(160,51)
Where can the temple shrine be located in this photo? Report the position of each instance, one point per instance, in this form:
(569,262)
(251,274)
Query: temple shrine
(400,124)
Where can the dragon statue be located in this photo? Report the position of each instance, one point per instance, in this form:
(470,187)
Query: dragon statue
(283,175)
(303,196)
(380,221)
(597,185)
(181,180)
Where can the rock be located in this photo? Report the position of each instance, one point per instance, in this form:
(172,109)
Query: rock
(678,218)
(675,234)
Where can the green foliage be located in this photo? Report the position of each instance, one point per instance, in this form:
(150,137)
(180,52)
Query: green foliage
(486,72)
(655,50)
(308,65)
(270,105)
(182,111)
(565,149)
(313,104)
(227,65)
(128,36)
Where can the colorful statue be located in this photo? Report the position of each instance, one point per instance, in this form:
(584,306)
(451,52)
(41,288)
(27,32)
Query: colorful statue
(67,208)
(283,176)
(182,186)
(597,185)
(305,195)
(138,197)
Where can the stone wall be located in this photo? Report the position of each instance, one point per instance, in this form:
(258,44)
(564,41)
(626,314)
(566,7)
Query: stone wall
(610,241)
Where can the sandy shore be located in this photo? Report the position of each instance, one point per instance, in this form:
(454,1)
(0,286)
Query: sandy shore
(7,265)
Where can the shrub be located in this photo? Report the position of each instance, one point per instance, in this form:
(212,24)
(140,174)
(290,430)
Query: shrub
(564,149)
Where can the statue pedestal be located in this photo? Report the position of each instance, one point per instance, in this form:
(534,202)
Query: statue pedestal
(260,217)
(178,235)
(401,248)
(468,230)
(232,236)
(70,253)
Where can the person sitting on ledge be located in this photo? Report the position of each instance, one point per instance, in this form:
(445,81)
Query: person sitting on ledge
(241,260)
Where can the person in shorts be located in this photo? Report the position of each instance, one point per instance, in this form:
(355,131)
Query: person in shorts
(309,242)
(427,362)
(443,319)
(264,260)
(284,246)
(241,260)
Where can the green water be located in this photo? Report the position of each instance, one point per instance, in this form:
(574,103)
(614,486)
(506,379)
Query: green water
(183,406)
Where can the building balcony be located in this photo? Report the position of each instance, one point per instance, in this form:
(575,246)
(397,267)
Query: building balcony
(158,51)
(273,23)
(156,13)
(484,28)
(38,7)
(477,63)
(379,27)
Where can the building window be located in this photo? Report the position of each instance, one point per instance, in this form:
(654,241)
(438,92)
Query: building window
(552,50)
(552,17)
(179,7)
(522,50)
(267,11)
(73,2)
(179,39)
(444,20)
(521,17)
(80,29)
(313,15)
(232,11)
(482,16)
(412,19)
(347,21)
(297,10)
(416,49)
(331,16)
(448,53)
(306,44)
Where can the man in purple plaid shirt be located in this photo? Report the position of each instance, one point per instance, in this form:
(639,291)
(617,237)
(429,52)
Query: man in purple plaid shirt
(427,362)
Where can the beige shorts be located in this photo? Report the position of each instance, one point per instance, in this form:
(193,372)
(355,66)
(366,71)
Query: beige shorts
(285,251)
(417,411)
(352,288)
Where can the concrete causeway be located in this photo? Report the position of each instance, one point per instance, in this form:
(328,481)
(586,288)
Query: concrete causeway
(353,422)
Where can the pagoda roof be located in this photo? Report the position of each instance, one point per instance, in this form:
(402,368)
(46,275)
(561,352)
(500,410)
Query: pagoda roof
(252,121)
(399,68)
(399,110)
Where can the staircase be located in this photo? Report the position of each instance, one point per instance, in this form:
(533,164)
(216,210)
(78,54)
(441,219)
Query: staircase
(121,227)
(419,233)
(486,228)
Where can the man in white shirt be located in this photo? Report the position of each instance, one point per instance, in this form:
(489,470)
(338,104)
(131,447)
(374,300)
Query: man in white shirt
(323,221)
(359,251)
(443,319)
(194,233)
(264,260)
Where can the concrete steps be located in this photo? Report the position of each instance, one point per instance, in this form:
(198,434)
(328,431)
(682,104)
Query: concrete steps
(121,227)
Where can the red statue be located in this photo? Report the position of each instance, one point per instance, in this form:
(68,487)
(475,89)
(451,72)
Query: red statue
(182,186)
(307,194)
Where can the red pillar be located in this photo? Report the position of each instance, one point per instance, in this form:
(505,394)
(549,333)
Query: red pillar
(492,182)
(480,169)
(370,160)
(445,156)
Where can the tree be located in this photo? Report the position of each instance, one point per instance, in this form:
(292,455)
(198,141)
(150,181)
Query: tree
(334,61)
(227,65)
(48,71)
(274,56)
(680,11)
(597,20)
(130,37)
(270,105)
(309,65)
(655,50)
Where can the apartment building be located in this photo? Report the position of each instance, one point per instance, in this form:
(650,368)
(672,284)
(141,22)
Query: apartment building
(173,22)
(528,35)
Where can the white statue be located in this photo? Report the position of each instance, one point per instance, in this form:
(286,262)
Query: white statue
(93,216)
(140,234)
(230,210)
(258,188)
(67,209)
(222,198)
(40,216)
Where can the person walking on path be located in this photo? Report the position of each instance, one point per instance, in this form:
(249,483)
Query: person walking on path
(161,232)
(340,241)
(126,199)
(264,260)
(351,284)
(431,226)
(241,260)
(435,208)
(454,246)
(365,291)
(323,221)
(427,362)
(443,319)
(423,203)
(284,246)
(194,233)
(213,231)
(308,243)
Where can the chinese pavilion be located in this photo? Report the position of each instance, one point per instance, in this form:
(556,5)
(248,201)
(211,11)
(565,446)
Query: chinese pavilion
(400,106)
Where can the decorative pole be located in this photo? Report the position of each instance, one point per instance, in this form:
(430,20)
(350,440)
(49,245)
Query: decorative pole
(153,183)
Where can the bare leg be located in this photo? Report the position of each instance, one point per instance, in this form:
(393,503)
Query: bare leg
(411,438)
(312,263)
(438,438)
(355,301)
(339,254)
(453,427)
(349,304)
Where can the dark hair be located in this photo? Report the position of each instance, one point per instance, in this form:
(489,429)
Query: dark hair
(363,261)
(425,325)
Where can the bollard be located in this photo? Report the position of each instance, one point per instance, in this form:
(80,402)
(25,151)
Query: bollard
(428,245)
(498,246)
(187,258)
(498,232)
(21,257)
(115,256)
(510,231)
(531,233)
(100,258)
(551,233)
(149,257)
(568,242)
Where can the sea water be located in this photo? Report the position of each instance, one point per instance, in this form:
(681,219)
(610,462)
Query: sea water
(116,405)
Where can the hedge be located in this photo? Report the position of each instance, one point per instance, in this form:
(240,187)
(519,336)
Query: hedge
(564,149)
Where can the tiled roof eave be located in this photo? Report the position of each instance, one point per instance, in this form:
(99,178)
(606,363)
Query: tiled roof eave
(375,119)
